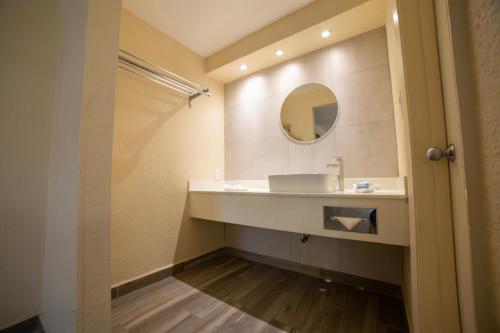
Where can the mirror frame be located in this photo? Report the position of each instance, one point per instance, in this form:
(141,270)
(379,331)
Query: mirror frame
(285,133)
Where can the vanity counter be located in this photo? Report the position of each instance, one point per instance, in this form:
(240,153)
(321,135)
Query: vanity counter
(391,188)
(381,194)
(303,212)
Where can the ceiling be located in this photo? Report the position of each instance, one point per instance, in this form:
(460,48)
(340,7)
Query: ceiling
(209,26)
(343,24)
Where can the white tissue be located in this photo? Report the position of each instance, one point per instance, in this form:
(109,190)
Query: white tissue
(234,187)
(349,222)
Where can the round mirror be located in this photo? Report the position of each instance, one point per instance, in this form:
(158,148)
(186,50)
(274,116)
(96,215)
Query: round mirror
(309,112)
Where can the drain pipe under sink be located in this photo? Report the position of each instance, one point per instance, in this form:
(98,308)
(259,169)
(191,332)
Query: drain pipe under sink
(304,237)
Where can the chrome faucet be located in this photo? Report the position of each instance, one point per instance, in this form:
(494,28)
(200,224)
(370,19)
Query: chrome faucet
(339,162)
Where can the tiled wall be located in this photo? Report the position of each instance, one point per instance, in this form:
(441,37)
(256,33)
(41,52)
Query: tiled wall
(357,70)
(371,260)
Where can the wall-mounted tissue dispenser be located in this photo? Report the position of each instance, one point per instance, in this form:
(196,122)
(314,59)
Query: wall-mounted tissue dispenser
(350,219)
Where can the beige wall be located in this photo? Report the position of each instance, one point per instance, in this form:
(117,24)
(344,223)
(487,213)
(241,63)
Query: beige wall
(28,40)
(75,295)
(60,276)
(60,271)
(357,71)
(478,82)
(160,143)
(56,100)
(96,138)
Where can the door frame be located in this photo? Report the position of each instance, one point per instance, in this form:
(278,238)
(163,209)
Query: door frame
(430,284)
(453,53)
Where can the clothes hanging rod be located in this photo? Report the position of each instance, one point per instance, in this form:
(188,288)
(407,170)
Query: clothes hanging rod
(160,75)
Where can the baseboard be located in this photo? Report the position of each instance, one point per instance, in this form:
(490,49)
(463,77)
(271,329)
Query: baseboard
(338,277)
(164,273)
(32,325)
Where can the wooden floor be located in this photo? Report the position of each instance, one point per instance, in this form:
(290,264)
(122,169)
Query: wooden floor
(229,294)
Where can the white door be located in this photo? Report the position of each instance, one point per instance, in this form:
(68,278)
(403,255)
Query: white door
(430,285)
(451,50)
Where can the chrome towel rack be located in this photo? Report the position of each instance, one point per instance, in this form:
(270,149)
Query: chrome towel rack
(160,75)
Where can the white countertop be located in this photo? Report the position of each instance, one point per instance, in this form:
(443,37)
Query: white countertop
(391,188)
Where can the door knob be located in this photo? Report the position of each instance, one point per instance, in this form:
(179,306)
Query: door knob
(435,154)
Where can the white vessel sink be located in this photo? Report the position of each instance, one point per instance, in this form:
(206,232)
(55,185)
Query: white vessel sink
(303,183)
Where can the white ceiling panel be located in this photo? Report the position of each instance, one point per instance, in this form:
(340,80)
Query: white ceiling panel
(209,26)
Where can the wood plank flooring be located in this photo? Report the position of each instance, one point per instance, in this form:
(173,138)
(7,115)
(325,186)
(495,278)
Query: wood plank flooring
(229,294)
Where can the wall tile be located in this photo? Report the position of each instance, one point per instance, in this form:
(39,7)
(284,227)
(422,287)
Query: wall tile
(300,158)
(271,243)
(310,68)
(238,160)
(366,97)
(269,157)
(265,120)
(360,53)
(369,150)
(371,260)
(239,237)
(246,90)
(353,145)
(237,124)
(312,158)
(317,251)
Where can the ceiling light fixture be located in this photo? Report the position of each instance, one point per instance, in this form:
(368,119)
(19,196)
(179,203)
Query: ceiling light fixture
(279,52)
(325,33)
(243,67)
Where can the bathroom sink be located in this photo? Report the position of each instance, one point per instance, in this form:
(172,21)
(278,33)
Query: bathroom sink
(303,183)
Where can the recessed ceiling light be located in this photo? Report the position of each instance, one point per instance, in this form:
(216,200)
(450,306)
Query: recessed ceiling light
(325,33)
(243,67)
(279,52)
(395,17)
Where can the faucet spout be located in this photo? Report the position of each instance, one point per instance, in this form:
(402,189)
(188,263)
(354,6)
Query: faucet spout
(339,162)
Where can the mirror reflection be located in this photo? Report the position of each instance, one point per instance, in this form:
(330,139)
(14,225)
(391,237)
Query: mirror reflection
(309,112)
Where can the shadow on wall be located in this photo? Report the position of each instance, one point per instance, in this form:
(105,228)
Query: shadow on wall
(159,143)
(146,108)
(193,234)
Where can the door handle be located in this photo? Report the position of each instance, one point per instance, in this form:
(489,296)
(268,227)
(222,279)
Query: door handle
(435,153)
